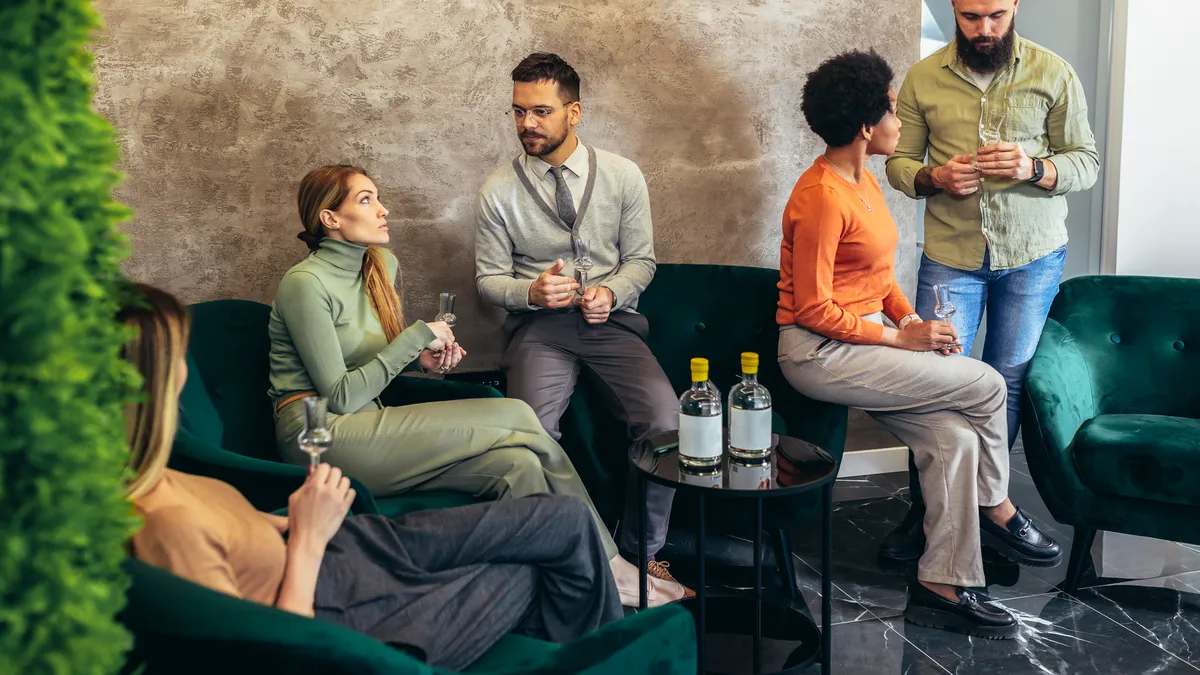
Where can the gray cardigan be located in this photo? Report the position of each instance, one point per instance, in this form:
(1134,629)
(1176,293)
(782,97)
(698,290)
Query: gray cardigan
(519,236)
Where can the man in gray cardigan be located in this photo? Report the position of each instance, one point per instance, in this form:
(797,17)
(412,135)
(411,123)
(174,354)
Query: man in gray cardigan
(558,202)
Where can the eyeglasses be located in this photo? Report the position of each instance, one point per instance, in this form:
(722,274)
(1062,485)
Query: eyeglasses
(540,112)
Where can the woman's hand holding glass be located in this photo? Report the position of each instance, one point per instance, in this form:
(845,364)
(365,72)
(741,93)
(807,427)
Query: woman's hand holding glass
(317,509)
(929,336)
(442,360)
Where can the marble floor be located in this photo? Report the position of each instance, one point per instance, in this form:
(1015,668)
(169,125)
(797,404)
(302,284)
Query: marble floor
(1112,625)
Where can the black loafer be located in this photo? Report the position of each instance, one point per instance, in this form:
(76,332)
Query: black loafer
(974,614)
(1021,541)
(907,542)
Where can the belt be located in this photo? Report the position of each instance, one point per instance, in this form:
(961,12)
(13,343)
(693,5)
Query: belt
(293,398)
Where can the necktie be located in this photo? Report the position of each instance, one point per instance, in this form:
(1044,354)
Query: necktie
(562,197)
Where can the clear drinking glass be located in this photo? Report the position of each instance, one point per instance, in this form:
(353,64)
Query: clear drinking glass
(582,262)
(944,309)
(316,438)
(446,309)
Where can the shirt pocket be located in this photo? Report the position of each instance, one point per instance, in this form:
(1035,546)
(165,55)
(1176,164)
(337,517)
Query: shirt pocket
(1028,115)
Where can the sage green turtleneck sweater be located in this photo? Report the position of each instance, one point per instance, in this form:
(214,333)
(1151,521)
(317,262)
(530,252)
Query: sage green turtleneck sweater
(326,337)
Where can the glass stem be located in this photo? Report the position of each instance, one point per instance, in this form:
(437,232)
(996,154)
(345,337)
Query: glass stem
(314,459)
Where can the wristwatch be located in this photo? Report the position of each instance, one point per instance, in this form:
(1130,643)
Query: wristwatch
(906,320)
(1039,170)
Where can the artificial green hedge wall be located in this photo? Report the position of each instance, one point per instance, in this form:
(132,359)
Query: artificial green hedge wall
(63,519)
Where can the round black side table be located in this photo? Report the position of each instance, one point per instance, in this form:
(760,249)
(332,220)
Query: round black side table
(794,467)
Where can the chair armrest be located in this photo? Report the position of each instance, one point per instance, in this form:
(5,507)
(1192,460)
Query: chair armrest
(267,485)
(660,641)
(179,626)
(1059,397)
(406,390)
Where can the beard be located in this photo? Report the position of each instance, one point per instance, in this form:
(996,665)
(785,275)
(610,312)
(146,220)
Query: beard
(539,145)
(985,55)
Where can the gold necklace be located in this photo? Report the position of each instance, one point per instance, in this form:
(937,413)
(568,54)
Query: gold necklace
(848,182)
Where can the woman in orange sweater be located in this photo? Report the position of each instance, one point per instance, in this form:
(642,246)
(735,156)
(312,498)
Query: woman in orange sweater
(836,285)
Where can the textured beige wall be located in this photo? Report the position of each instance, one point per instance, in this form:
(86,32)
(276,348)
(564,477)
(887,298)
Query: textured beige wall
(222,105)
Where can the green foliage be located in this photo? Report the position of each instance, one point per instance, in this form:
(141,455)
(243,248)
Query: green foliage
(63,518)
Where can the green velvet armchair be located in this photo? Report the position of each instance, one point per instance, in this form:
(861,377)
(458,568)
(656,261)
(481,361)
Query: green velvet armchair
(1111,414)
(227,428)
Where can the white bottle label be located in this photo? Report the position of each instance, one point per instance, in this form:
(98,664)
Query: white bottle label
(743,477)
(750,429)
(710,480)
(700,437)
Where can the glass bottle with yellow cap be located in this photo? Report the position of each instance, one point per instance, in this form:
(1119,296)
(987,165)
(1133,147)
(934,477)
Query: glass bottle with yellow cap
(700,421)
(749,414)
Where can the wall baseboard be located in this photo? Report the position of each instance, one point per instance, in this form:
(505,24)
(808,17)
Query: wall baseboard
(875,461)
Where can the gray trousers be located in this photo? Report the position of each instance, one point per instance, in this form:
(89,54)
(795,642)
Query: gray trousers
(950,411)
(446,585)
(545,356)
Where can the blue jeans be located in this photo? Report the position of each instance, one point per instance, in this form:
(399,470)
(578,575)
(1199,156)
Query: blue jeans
(1017,302)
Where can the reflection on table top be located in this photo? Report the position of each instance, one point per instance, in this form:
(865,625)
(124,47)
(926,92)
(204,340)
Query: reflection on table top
(793,466)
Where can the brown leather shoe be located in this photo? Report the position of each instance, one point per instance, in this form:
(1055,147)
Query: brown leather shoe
(658,570)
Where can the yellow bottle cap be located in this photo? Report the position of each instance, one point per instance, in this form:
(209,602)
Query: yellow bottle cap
(699,370)
(750,363)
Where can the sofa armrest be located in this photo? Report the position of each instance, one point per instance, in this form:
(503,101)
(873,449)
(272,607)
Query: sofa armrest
(179,626)
(407,390)
(267,485)
(660,641)
(1059,397)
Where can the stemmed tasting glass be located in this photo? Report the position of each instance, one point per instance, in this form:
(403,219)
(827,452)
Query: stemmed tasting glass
(944,309)
(582,262)
(446,309)
(316,438)
(991,124)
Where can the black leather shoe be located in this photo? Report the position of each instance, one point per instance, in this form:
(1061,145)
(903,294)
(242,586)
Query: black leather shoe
(1021,541)
(974,614)
(907,541)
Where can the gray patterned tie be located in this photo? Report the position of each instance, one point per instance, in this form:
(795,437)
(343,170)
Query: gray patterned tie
(562,197)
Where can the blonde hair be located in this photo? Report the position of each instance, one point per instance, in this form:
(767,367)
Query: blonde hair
(326,188)
(157,348)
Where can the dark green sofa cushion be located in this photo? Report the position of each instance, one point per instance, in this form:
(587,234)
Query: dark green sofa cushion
(422,501)
(229,347)
(1151,457)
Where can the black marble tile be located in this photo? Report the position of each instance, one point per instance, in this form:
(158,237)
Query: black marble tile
(894,484)
(881,587)
(730,566)
(1059,635)
(862,648)
(1164,611)
(856,489)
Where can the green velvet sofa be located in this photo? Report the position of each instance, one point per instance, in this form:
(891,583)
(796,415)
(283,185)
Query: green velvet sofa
(1111,414)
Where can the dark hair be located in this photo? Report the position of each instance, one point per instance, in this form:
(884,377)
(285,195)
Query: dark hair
(846,93)
(541,66)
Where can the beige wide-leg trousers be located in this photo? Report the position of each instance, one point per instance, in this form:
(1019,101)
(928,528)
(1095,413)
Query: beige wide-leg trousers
(949,409)
(492,448)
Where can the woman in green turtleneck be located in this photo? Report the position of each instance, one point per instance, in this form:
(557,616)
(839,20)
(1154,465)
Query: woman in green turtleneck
(337,330)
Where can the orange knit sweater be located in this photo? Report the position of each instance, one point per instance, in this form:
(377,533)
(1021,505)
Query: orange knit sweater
(836,262)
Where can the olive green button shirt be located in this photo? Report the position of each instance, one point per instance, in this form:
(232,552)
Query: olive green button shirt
(326,337)
(942,111)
